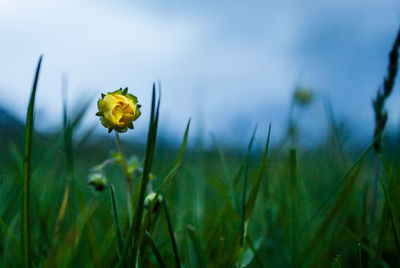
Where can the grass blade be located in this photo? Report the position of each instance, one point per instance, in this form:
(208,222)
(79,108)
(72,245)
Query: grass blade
(246,169)
(168,180)
(381,236)
(137,220)
(391,214)
(171,234)
(8,232)
(197,246)
(63,208)
(254,191)
(26,205)
(116,221)
(182,149)
(293,202)
(155,250)
(243,164)
(221,155)
(254,249)
(342,198)
(340,181)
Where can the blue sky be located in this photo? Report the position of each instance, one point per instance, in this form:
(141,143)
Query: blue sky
(227,64)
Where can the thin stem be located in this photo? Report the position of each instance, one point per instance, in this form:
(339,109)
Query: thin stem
(128,176)
(374,190)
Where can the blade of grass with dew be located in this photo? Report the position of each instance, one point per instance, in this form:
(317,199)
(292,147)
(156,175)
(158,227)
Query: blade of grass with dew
(171,234)
(135,228)
(117,223)
(254,191)
(200,257)
(26,210)
(156,252)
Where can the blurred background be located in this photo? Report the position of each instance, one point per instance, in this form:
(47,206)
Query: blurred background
(228,65)
(310,68)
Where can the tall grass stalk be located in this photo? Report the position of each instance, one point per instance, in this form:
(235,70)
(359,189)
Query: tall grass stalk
(381,116)
(26,204)
(293,203)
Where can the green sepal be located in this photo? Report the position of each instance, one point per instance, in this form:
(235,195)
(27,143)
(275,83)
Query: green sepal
(110,129)
(119,91)
(99,113)
(102,95)
(125,91)
(130,125)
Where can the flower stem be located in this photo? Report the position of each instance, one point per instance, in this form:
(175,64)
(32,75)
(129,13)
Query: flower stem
(128,176)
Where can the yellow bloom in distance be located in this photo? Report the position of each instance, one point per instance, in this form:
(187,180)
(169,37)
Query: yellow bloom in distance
(118,110)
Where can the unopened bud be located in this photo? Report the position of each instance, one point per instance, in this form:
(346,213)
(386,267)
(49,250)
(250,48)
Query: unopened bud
(98,181)
(303,96)
(149,199)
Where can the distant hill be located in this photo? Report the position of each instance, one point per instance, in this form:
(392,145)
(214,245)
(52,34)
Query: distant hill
(10,128)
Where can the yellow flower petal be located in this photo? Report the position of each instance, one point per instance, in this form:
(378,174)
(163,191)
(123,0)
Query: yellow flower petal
(118,111)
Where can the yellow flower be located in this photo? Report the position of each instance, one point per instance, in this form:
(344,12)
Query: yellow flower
(118,110)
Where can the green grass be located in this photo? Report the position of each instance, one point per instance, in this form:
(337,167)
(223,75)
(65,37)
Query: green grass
(269,206)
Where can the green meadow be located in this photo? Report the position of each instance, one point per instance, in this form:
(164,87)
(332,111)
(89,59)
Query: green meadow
(69,200)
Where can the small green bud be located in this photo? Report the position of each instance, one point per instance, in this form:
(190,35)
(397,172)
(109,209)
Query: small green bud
(98,181)
(133,164)
(149,199)
(303,96)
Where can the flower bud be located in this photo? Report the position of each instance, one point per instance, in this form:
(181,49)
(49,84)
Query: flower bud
(98,181)
(118,110)
(149,199)
(303,96)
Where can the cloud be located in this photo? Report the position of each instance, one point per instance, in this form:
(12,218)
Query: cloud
(221,63)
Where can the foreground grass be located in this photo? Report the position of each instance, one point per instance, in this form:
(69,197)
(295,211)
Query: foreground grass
(266,207)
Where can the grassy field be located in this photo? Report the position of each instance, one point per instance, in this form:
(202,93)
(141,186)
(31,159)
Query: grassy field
(272,206)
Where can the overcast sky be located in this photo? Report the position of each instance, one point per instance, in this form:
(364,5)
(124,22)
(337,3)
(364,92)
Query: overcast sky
(227,64)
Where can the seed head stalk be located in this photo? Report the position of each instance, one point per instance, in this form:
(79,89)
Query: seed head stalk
(381,116)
